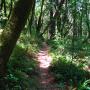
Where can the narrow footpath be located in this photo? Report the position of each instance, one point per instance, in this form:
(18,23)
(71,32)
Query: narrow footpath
(45,78)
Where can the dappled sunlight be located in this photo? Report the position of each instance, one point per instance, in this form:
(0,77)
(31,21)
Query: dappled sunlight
(45,60)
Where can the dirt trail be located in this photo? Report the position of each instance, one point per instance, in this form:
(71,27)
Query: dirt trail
(46,79)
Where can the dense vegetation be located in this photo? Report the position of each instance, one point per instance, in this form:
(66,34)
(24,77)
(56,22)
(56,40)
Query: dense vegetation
(63,24)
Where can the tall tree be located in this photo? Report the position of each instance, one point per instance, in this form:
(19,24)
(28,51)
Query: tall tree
(12,31)
(52,22)
(39,24)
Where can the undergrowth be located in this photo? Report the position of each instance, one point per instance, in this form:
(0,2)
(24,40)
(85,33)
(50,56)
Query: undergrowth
(21,70)
(67,64)
(65,71)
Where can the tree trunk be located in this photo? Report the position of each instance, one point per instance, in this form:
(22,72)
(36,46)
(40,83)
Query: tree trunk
(52,23)
(12,31)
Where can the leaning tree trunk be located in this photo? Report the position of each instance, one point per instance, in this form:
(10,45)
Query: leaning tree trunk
(12,31)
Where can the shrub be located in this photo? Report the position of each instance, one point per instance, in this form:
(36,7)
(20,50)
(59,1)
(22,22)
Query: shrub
(64,71)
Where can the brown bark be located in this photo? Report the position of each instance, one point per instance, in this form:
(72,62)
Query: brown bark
(12,31)
(52,25)
(39,24)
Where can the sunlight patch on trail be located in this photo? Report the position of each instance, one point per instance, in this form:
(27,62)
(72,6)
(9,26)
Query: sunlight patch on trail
(44,60)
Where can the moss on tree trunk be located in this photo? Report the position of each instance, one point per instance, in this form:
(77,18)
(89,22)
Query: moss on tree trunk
(12,31)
